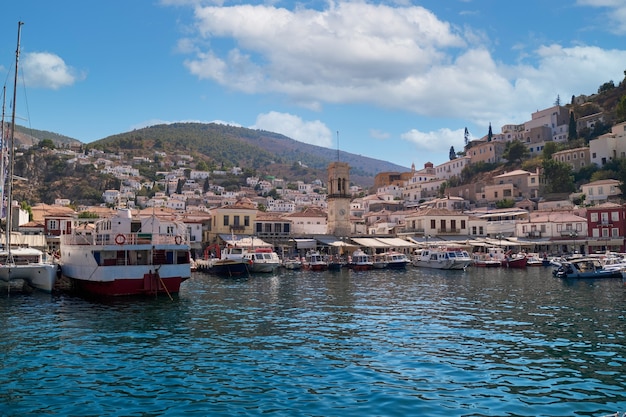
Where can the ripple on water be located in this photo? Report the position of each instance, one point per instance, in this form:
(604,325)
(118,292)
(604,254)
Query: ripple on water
(315,344)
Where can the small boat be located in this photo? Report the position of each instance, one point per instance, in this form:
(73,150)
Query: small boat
(485,261)
(335,263)
(360,261)
(396,260)
(315,261)
(442,258)
(227,262)
(262,260)
(292,264)
(585,268)
(534,260)
(518,260)
(126,255)
(379,261)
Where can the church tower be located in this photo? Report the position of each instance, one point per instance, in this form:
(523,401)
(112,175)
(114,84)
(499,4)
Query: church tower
(339,199)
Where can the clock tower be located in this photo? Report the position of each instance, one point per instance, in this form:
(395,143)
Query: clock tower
(338,199)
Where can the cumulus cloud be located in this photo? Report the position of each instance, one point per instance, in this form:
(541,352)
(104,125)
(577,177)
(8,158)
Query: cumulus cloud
(393,57)
(438,141)
(314,133)
(615,15)
(46,70)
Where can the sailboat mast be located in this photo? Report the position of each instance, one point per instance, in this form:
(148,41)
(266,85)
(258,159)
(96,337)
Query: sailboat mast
(12,142)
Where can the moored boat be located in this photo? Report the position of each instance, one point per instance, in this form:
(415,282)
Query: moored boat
(360,261)
(227,262)
(127,256)
(442,258)
(262,260)
(585,268)
(314,261)
(518,260)
(292,263)
(396,260)
(28,264)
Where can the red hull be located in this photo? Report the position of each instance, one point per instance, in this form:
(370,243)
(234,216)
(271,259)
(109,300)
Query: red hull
(516,263)
(486,264)
(316,267)
(150,284)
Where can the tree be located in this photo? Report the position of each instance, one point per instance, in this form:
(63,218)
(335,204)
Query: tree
(452,153)
(47,143)
(466,136)
(549,149)
(571,134)
(558,177)
(489,134)
(620,110)
(515,151)
(557,102)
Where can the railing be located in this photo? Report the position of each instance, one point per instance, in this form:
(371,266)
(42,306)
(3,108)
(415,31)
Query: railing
(448,231)
(237,228)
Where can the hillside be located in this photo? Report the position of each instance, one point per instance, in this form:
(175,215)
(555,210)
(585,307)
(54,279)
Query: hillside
(222,145)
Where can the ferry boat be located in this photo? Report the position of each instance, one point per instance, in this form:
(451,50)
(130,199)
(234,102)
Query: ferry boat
(442,258)
(127,256)
(262,260)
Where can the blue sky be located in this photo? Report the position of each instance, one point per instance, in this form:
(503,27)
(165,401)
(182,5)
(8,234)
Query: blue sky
(397,81)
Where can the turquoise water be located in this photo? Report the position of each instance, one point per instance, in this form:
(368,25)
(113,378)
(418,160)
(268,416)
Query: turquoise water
(485,342)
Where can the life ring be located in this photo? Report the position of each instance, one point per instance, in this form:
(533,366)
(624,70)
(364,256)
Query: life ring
(120,239)
(178,240)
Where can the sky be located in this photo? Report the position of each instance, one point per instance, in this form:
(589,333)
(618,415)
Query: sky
(397,81)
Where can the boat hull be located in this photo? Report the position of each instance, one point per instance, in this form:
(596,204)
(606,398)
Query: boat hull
(149,284)
(229,268)
(39,276)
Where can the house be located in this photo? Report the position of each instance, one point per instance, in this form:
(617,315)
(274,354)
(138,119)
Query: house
(310,221)
(600,191)
(606,227)
(232,219)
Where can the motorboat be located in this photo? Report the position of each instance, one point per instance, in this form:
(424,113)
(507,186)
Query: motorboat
(262,260)
(585,268)
(442,258)
(360,261)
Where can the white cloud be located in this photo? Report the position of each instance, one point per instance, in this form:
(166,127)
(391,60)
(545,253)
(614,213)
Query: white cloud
(379,134)
(438,141)
(615,16)
(46,70)
(314,133)
(390,57)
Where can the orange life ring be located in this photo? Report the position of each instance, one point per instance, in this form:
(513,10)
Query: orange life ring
(178,240)
(120,239)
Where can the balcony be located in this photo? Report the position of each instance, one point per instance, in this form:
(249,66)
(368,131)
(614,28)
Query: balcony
(448,231)
(534,234)
(237,228)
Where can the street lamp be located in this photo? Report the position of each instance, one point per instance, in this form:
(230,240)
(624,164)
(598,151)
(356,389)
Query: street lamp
(500,236)
(573,235)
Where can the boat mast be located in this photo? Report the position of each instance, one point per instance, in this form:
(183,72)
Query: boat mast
(3,154)
(11,147)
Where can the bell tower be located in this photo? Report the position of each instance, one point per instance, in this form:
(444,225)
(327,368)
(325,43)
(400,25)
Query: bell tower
(338,199)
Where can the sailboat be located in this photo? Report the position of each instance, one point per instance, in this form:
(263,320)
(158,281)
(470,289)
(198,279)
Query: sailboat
(19,265)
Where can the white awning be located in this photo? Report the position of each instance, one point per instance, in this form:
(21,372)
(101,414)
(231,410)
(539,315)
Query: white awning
(370,242)
(396,242)
(305,243)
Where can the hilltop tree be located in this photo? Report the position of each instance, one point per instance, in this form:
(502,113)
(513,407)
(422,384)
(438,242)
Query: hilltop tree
(557,102)
(466,136)
(489,134)
(620,110)
(571,134)
(452,153)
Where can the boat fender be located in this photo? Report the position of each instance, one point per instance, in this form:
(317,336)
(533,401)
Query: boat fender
(120,239)
(178,239)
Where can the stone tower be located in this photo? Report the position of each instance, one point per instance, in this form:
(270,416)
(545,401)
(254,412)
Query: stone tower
(339,199)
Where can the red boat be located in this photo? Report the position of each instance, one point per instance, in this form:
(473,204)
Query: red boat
(515,261)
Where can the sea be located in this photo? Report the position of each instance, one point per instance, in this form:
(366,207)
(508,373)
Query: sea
(419,342)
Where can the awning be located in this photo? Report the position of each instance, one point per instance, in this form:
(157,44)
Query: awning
(305,243)
(331,241)
(245,241)
(396,242)
(603,242)
(369,242)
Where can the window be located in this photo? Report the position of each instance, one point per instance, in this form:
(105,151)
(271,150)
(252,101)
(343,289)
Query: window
(236,220)
(594,217)
(259,227)
(226,220)
(615,232)
(433,224)
(605,232)
(463,224)
(246,221)
(53,225)
(605,217)
(615,216)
